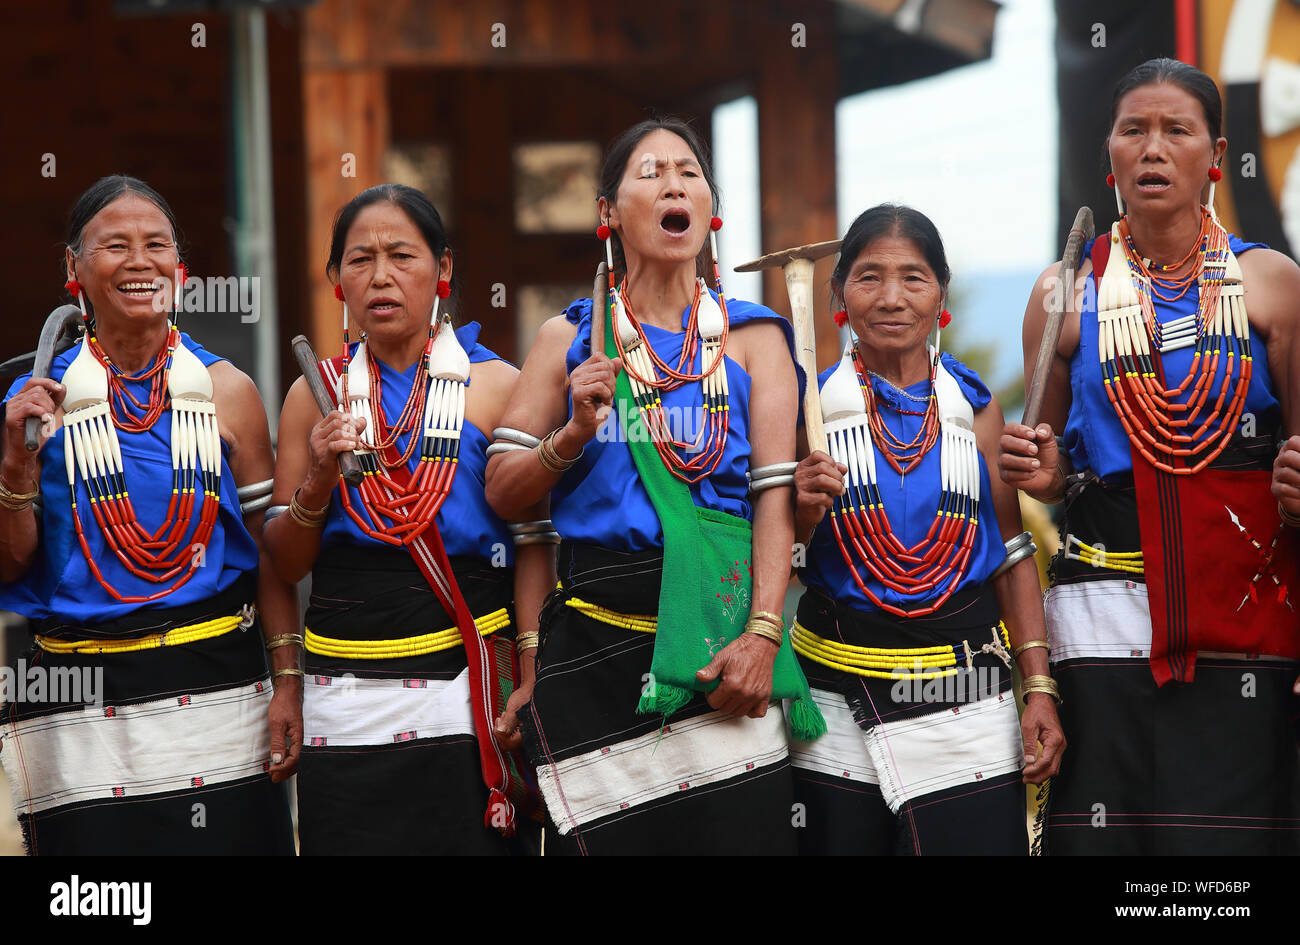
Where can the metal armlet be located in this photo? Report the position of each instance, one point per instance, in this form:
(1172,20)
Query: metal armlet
(255,496)
(518,437)
(771,477)
(1018,549)
(540,532)
(510,441)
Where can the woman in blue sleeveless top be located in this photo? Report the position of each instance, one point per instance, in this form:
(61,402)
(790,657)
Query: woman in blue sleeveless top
(138,572)
(1172,612)
(712,776)
(915,608)
(402,754)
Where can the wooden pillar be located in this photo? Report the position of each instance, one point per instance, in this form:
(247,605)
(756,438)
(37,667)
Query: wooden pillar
(484,206)
(345,132)
(797,87)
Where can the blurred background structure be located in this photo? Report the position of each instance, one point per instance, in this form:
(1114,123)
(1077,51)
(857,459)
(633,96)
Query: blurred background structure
(259,120)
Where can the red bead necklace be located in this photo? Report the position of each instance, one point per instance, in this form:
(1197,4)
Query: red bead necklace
(937,563)
(399,505)
(166,553)
(1157,425)
(645,367)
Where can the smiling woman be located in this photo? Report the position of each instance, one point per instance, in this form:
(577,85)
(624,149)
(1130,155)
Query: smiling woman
(914,581)
(1170,471)
(140,564)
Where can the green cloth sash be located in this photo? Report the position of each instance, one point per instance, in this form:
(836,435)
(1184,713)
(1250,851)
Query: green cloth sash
(704,600)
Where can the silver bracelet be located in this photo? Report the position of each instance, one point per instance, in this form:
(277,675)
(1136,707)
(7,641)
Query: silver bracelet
(275,511)
(769,482)
(771,476)
(775,469)
(540,532)
(255,496)
(255,505)
(495,448)
(524,528)
(1018,549)
(255,489)
(510,435)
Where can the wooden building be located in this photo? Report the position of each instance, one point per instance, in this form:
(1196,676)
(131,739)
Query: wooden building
(473,100)
(483,87)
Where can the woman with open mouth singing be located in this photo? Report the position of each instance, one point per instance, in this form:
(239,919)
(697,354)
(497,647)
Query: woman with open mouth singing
(666,444)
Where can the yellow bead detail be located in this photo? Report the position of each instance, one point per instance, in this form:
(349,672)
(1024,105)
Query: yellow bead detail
(927,662)
(642,623)
(405,646)
(177,636)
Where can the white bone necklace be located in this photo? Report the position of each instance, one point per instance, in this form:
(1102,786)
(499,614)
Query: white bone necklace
(936,564)
(398,505)
(95,408)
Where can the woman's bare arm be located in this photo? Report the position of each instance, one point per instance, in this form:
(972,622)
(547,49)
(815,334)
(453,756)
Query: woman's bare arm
(517,480)
(1021,602)
(745,665)
(243,421)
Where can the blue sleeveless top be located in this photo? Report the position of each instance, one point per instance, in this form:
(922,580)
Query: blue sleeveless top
(600,500)
(60,584)
(911,501)
(1094,438)
(467,524)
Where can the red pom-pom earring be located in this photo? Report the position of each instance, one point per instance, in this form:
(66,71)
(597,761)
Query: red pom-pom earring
(841,318)
(178,290)
(1215,175)
(442,290)
(715,224)
(603,233)
(1110,180)
(338,294)
(945,318)
(74,288)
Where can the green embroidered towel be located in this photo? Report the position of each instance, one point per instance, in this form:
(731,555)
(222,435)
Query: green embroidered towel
(704,600)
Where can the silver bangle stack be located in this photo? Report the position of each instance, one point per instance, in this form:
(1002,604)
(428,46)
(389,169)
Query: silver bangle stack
(771,477)
(255,496)
(1018,549)
(540,532)
(507,440)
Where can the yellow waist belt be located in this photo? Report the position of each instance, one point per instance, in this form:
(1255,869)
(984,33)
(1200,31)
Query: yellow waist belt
(925,662)
(1128,562)
(406,646)
(173,637)
(644,623)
